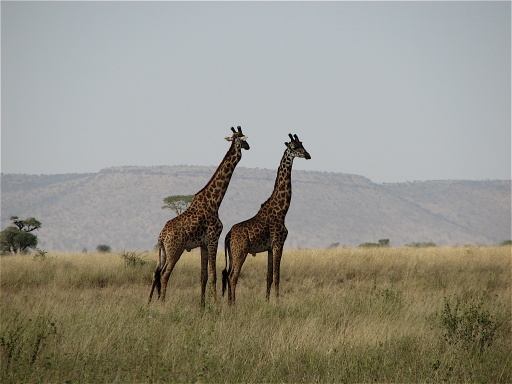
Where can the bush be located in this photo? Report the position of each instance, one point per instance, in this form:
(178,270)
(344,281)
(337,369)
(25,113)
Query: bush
(102,248)
(40,254)
(468,326)
(381,243)
(132,259)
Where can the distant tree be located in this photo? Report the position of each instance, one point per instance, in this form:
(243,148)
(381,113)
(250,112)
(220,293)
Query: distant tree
(381,243)
(506,242)
(17,238)
(103,248)
(384,243)
(178,203)
(334,245)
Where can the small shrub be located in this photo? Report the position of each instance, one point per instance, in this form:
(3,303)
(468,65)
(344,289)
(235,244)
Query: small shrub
(40,254)
(384,243)
(381,243)
(469,326)
(132,259)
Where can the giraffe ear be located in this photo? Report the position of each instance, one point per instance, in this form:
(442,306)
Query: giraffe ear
(228,138)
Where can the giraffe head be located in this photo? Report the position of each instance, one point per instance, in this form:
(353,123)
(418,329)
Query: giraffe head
(296,149)
(239,139)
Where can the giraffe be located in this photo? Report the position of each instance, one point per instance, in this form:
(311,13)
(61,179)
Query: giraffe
(265,231)
(199,225)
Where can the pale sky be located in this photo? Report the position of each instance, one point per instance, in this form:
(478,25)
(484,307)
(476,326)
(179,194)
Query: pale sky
(393,91)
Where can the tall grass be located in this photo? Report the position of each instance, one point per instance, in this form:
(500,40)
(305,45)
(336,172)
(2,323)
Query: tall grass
(345,315)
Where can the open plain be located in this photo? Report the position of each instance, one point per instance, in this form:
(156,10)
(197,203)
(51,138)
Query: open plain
(345,315)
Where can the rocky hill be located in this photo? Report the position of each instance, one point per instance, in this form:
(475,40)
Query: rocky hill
(121,207)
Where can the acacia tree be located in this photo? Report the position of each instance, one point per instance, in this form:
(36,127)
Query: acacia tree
(17,238)
(178,203)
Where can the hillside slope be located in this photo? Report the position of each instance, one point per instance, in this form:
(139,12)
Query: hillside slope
(121,207)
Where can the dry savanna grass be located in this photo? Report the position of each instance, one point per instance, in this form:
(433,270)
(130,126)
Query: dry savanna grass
(345,315)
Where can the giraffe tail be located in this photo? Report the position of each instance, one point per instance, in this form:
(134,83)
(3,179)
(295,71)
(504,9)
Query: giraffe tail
(227,253)
(157,281)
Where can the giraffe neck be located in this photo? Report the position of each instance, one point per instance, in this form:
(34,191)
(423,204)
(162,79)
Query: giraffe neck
(212,194)
(282,194)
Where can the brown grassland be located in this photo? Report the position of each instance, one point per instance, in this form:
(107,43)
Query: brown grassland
(345,315)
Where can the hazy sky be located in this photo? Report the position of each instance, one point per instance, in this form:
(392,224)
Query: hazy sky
(394,91)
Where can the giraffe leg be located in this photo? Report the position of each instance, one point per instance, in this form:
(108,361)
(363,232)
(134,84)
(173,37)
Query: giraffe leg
(238,261)
(204,273)
(232,286)
(169,266)
(227,271)
(230,292)
(270,268)
(212,261)
(277,269)
(228,268)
